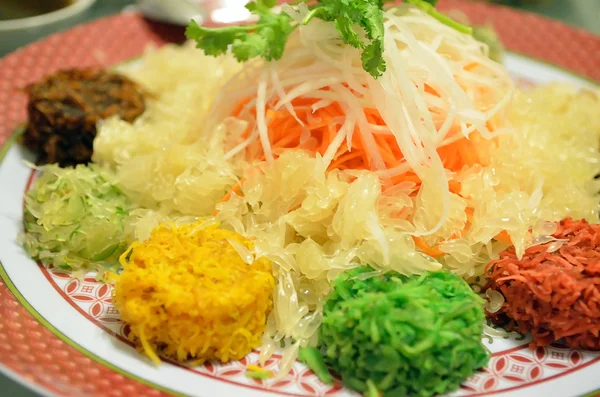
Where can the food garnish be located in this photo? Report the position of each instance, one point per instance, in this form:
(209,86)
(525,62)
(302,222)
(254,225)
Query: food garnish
(64,108)
(553,291)
(268,37)
(402,336)
(188,293)
(75,218)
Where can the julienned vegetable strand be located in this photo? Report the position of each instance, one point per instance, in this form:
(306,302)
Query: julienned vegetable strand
(285,134)
(313,359)
(268,37)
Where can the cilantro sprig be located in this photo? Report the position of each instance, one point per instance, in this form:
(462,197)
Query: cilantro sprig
(267,37)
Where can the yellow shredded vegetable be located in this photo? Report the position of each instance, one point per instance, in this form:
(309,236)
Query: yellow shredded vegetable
(188,293)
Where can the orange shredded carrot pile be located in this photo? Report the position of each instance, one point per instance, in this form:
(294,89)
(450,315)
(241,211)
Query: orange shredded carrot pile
(321,126)
(553,295)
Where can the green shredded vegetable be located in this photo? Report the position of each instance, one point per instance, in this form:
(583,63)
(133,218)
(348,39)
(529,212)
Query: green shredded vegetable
(371,389)
(75,218)
(399,336)
(313,359)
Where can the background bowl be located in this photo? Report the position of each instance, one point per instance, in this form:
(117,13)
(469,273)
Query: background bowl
(15,33)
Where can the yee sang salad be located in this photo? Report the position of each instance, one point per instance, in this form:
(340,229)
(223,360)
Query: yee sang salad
(352,185)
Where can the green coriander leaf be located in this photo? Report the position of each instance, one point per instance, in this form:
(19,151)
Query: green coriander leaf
(278,28)
(373,23)
(344,25)
(266,39)
(350,15)
(352,9)
(252,46)
(372,59)
(213,43)
(372,56)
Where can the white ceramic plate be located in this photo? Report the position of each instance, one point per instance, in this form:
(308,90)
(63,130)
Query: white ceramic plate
(62,336)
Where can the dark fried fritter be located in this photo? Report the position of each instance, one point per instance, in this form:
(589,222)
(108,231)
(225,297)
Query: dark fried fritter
(65,107)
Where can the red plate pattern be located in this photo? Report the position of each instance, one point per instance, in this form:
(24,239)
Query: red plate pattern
(30,350)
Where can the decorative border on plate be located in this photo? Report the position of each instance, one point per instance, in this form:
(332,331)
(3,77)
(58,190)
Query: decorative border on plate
(30,346)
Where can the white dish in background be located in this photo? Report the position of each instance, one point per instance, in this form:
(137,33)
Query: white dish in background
(178,12)
(15,33)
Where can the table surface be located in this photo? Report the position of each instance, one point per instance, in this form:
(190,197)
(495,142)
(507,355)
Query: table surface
(580,13)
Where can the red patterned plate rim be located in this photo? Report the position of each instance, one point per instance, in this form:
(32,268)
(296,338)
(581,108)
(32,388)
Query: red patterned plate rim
(571,49)
(548,41)
(6,283)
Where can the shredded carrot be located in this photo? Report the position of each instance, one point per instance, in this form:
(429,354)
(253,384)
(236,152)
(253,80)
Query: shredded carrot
(286,133)
(471,66)
(504,237)
(426,249)
(554,293)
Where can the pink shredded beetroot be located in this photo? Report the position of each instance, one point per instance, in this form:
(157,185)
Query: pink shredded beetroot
(553,295)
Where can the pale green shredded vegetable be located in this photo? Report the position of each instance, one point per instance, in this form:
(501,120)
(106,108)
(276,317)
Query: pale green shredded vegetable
(75,219)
